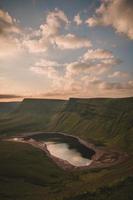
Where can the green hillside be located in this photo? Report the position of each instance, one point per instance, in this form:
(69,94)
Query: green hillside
(30,115)
(6,107)
(105,121)
(26,173)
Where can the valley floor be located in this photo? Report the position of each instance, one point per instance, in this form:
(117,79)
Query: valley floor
(26,173)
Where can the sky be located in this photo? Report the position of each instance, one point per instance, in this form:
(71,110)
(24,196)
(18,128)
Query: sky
(61,49)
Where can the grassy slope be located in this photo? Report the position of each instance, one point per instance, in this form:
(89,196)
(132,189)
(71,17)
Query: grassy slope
(106,121)
(31,115)
(8,106)
(27,174)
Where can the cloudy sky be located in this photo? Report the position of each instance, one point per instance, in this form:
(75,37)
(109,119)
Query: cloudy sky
(62,49)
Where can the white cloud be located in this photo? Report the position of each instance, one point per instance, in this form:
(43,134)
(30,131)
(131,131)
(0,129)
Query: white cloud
(53,23)
(10,47)
(118,74)
(40,40)
(115,13)
(36,46)
(77,19)
(9,31)
(116,85)
(80,79)
(98,54)
(7,23)
(46,67)
(71,41)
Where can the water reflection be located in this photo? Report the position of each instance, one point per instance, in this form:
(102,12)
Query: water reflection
(62,151)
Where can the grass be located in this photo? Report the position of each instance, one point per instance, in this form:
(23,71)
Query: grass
(26,173)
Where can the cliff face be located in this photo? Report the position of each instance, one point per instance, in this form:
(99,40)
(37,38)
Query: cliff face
(103,120)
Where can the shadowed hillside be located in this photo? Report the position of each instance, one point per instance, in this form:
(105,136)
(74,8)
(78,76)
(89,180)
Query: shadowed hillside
(30,115)
(8,106)
(103,120)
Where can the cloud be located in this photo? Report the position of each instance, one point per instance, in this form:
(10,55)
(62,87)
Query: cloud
(9,96)
(83,68)
(46,67)
(10,47)
(115,13)
(77,77)
(40,40)
(116,85)
(48,35)
(80,79)
(95,62)
(54,21)
(77,19)
(9,32)
(71,41)
(101,56)
(36,45)
(119,74)
(7,24)
(98,54)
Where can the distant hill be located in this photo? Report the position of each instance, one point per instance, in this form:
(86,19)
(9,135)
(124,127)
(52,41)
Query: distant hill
(8,106)
(39,106)
(107,121)
(30,115)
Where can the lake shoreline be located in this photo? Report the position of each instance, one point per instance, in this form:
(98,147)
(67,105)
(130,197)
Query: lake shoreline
(102,158)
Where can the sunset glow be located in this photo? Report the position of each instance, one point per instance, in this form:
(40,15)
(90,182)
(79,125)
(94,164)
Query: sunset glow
(62,49)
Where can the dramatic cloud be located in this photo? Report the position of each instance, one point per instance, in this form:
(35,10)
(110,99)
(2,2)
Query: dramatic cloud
(94,72)
(48,35)
(40,40)
(71,41)
(77,20)
(79,76)
(82,77)
(115,13)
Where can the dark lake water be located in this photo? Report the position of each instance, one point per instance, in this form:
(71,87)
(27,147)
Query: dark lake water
(66,147)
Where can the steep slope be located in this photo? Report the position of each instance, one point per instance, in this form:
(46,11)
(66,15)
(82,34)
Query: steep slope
(31,115)
(104,120)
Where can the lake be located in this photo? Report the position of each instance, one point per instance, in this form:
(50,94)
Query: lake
(65,147)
